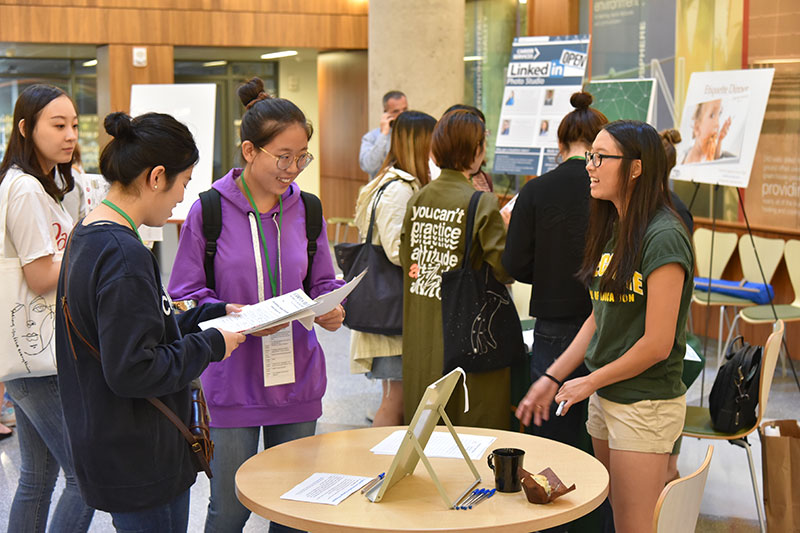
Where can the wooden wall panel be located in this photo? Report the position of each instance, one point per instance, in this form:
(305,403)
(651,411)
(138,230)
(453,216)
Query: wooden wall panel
(175,27)
(780,283)
(342,81)
(330,7)
(553,17)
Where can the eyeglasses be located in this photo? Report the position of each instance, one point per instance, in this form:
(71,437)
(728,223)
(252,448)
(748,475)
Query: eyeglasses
(283,162)
(597,159)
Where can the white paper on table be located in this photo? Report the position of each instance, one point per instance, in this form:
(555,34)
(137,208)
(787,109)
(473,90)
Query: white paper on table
(272,312)
(441,444)
(330,489)
(691,355)
(325,303)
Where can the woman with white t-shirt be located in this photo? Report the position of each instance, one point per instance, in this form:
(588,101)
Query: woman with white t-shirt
(36,173)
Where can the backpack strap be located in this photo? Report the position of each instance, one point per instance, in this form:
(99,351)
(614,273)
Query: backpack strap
(313,208)
(211,203)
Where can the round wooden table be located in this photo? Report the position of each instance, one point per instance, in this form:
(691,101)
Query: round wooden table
(414,504)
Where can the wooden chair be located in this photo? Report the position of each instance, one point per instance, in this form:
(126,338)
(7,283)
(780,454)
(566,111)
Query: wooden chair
(698,419)
(712,266)
(769,254)
(679,504)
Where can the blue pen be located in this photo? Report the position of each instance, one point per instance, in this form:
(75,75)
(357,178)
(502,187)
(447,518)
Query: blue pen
(477,494)
(372,482)
(479,500)
(464,499)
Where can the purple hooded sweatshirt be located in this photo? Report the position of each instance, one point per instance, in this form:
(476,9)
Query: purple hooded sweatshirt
(234,388)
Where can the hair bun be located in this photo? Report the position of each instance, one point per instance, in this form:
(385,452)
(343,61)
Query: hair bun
(581,100)
(251,92)
(672,136)
(119,125)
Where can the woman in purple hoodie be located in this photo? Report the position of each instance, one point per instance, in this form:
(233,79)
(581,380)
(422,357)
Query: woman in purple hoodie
(261,253)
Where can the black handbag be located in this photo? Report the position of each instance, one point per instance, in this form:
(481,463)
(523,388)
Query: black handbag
(480,325)
(376,305)
(734,395)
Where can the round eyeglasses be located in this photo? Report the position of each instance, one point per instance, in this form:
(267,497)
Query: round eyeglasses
(283,162)
(597,159)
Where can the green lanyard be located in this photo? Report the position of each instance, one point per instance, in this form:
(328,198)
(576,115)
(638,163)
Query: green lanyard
(264,237)
(583,158)
(124,215)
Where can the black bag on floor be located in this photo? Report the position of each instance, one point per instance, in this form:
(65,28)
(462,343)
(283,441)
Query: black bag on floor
(734,395)
(376,305)
(481,327)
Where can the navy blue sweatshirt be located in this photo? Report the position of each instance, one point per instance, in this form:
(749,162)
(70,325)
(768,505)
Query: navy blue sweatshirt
(546,238)
(128,456)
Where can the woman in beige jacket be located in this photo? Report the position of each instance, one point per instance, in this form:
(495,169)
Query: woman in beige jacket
(406,167)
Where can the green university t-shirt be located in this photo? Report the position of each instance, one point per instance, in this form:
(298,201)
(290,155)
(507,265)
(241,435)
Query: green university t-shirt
(621,321)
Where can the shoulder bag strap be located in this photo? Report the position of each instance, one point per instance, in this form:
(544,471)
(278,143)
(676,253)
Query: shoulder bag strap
(375,206)
(473,207)
(313,208)
(177,422)
(211,204)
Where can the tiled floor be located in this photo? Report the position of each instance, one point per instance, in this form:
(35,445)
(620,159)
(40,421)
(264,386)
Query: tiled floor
(728,504)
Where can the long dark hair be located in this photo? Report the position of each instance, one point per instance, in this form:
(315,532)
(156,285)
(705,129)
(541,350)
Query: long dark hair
(640,198)
(411,145)
(21,150)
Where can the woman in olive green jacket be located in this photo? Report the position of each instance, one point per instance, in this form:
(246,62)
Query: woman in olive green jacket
(433,242)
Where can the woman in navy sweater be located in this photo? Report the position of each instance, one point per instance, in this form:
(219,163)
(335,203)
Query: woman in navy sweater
(130,460)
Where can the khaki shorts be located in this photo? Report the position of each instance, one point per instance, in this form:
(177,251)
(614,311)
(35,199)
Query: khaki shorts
(648,426)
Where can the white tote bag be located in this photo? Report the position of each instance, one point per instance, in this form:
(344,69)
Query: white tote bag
(27,320)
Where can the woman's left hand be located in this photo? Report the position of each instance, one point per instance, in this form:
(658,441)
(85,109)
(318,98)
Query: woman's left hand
(332,320)
(574,391)
(233,309)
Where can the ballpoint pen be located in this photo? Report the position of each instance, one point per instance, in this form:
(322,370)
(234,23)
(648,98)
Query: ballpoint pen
(464,498)
(486,496)
(468,503)
(372,482)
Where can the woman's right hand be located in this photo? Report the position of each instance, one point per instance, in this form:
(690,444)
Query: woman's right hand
(536,402)
(232,341)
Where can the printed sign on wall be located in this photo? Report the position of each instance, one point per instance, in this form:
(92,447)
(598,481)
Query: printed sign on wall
(542,75)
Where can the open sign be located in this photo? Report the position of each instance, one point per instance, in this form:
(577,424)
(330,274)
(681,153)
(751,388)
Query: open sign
(573,59)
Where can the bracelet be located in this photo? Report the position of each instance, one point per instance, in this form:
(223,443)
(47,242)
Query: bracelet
(556,381)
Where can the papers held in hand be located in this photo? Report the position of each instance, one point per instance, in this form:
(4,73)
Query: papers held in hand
(295,305)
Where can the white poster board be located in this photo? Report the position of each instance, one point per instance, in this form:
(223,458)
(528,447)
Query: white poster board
(720,126)
(194,105)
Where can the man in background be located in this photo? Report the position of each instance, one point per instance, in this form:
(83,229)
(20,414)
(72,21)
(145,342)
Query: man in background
(375,143)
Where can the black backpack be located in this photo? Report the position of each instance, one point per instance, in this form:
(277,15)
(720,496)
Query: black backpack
(212,227)
(734,395)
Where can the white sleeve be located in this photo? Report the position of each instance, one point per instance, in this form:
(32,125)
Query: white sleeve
(28,221)
(389,218)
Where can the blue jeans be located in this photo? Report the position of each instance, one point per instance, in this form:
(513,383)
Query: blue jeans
(43,449)
(550,339)
(232,447)
(172,517)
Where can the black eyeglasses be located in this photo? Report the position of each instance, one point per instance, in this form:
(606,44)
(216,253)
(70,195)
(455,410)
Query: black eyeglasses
(597,159)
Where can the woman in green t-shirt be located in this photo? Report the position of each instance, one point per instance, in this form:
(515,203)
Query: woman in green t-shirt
(638,266)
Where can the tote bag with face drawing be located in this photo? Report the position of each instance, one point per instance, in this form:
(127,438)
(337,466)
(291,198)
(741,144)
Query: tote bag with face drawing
(27,326)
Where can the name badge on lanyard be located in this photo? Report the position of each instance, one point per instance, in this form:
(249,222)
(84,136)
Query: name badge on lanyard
(277,350)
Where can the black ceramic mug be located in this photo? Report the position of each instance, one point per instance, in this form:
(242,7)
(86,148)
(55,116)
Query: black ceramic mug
(505,462)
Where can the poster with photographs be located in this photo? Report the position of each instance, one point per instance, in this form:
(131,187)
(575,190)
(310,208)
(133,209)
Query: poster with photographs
(541,76)
(721,125)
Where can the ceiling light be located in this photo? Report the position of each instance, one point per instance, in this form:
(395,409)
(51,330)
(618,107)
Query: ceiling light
(90,63)
(276,55)
(473,58)
(215,63)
